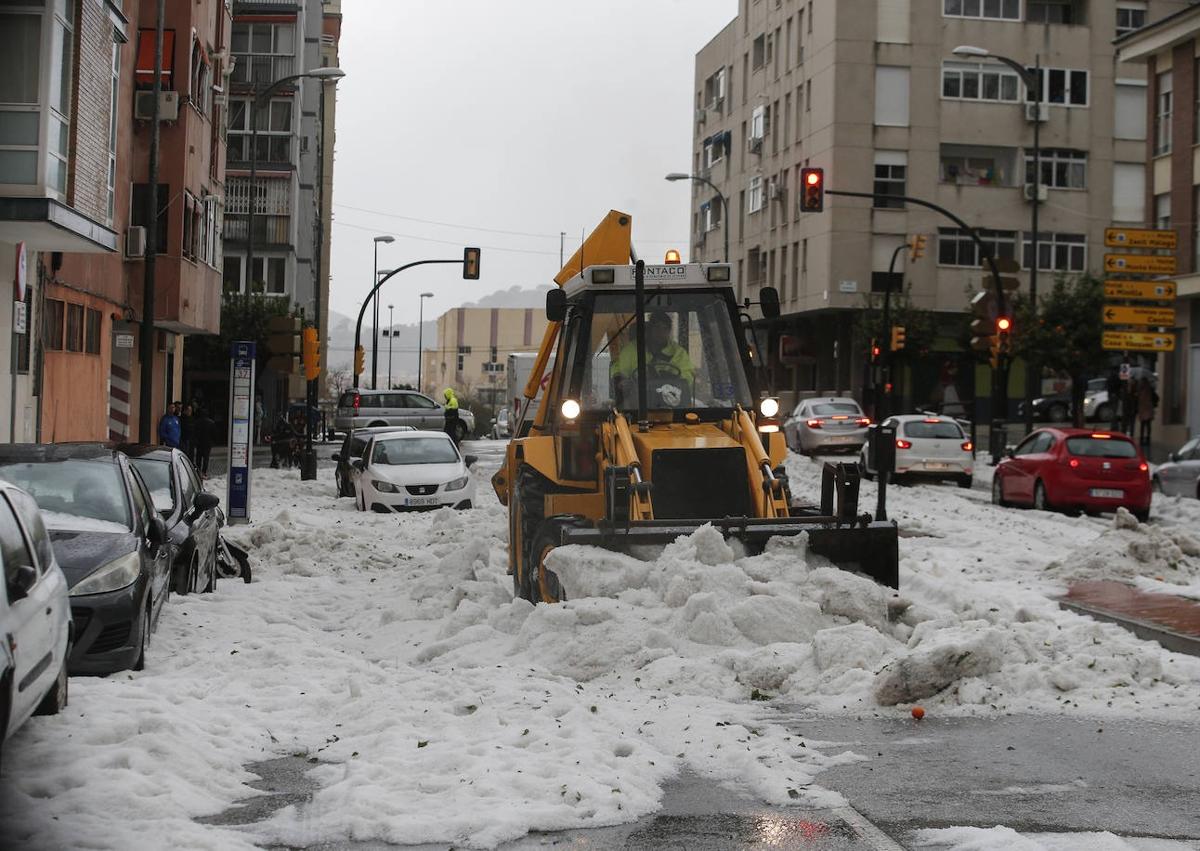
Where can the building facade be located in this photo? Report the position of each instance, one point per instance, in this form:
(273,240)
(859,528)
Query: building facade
(872,93)
(473,348)
(1170,51)
(74,171)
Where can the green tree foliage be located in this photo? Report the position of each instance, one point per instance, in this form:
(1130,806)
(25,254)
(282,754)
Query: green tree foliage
(920,326)
(242,318)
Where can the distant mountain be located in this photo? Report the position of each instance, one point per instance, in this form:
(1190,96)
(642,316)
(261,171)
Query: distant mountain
(404,344)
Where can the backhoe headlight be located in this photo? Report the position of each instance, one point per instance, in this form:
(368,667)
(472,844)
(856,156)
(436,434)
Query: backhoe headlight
(570,409)
(383,487)
(458,484)
(768,407)
(117,574)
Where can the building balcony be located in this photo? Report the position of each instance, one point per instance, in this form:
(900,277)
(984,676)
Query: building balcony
(268,230)
(245,7)
(255,70)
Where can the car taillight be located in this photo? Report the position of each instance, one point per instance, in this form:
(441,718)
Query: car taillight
(357,399)
(903,444)
(864,421)
(1073,463)
(815,423)
(968,446)
(1144,467)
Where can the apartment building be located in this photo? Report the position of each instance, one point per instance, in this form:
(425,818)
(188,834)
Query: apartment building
(331,36)
(75,105)
(273,40)
(873,93)
(1169,50)
(473,348)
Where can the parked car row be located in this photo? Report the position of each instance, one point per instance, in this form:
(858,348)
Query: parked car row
(93,538)
(399,468)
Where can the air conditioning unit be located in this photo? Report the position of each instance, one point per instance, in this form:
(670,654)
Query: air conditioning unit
(1037,112)
(1043,192)
(701,115)
(774,191)
(135,242)
(755,144)
(168,106)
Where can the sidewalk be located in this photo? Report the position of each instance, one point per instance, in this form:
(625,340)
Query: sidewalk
(1174,622)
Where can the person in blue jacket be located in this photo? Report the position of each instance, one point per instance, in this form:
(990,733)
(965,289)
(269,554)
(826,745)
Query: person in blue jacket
(169,429)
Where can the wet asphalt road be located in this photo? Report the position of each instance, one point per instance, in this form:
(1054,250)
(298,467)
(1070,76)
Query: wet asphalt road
(1030,773)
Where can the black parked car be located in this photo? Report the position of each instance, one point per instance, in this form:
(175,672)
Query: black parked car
(191,514)
(352,447)
(111,544)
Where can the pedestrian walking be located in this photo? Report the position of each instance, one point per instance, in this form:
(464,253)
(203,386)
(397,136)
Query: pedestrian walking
(452,419)
(168,427)
(203,428)
(1147,401)
(187,433)
(1128,406)
(259,413)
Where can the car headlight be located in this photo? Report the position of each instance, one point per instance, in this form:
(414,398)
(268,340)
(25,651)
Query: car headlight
(383,487)
(458,484)
(768,407)
(117,574)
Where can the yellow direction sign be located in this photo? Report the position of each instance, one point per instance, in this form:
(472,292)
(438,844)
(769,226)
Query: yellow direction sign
(1153,264)
(1137,341)
(1158,316)
(1138,238)
(1140,290)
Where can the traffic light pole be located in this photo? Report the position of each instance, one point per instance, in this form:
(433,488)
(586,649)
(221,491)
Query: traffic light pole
(999,372)
(885,409)
(367,301)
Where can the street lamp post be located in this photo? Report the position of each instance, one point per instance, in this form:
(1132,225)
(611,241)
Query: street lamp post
(375,319)
(420,338)
(1032,81)
(259,97)
(391,332)
(677,175)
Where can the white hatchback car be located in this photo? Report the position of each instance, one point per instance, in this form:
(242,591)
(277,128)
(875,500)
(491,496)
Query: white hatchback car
(35,616)
(932,447)
(413,470)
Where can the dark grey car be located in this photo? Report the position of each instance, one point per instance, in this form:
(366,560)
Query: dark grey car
(191,514)
(111,544)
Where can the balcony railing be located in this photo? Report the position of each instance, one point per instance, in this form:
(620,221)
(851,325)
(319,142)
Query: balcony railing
(268,230)
(274,196)
(261,70)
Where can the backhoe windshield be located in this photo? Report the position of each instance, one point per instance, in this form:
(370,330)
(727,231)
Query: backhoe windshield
(692,358)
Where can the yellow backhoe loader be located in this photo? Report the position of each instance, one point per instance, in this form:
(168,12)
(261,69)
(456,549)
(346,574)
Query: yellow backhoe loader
(652,424)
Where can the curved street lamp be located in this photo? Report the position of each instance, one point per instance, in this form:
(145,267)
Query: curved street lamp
(386,240)
(1032,81)
(420,338)
(678,175)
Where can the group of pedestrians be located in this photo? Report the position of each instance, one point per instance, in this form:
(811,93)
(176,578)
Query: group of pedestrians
(189,429)
(1132,402)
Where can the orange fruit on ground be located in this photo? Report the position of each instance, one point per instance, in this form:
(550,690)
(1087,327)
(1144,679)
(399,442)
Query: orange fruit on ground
(918,712)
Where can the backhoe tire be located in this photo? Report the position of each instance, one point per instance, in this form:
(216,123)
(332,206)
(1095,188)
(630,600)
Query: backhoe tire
(530,499)
(545,586)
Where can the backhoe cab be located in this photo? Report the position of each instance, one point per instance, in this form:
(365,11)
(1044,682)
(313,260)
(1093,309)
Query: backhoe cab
(652,424)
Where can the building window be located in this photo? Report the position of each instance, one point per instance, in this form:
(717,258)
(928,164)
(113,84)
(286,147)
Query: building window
(1129,115)
(53,324)
(980,81)
(956,248)
(274,121)
(714,90)
(1162,210)
(1053,12)
(137,211)
(74,338)
(20,58)
(758,124)
(91,332)
(1129,192)
(977,165)
(890,171)
(265,52)
(1057,252)
(201,79)
(114,100)
(1130,17)
(716,148)
(1061,169)
(710,215)
(891,96)
(1002,10)
(1163,102)
(758,52)
(755,195)
(1060,86)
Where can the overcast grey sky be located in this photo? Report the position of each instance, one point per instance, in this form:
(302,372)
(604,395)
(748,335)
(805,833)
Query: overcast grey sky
(533,116)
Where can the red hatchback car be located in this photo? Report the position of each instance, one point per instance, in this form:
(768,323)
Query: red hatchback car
(1075,469)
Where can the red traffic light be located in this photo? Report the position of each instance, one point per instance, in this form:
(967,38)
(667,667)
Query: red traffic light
(812,190)
(1003,324)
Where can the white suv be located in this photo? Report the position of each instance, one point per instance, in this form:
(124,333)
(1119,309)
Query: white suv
(35,616)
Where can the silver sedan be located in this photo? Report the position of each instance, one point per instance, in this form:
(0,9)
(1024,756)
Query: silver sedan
(1180,476)
(825,424)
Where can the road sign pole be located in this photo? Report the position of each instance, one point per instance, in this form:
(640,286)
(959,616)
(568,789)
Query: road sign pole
(241,432)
